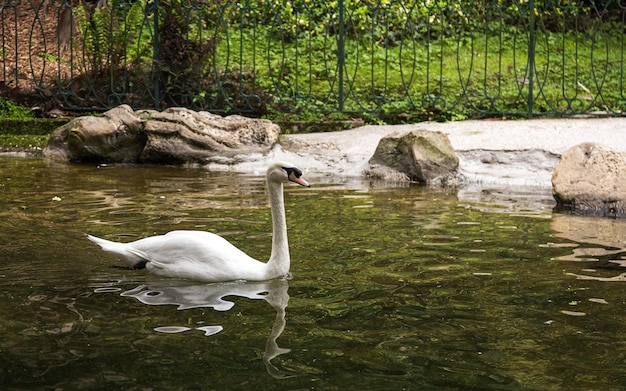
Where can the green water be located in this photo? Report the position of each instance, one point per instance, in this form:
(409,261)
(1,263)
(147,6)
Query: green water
(392,288)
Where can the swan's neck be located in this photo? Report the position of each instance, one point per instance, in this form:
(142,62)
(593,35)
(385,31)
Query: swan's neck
(279,262)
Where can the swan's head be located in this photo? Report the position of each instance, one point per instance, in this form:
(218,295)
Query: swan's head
(286,172)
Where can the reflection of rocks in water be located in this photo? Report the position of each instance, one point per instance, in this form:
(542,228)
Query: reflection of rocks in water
(213,296)
(621,277)
(600,240)
(587,229)
(522,200)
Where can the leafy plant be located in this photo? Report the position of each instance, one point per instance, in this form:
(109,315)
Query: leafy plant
(11,110)
(115,44)
(397,61)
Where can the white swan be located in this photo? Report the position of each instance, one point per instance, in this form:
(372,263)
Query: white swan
(204,256)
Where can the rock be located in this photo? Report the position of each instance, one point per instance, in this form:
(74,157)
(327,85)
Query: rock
(514,167)
(589,178)
(178,135)
(173,136)
(419,155)
(117,136)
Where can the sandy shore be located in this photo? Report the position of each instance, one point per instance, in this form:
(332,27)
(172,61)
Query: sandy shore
(503,153)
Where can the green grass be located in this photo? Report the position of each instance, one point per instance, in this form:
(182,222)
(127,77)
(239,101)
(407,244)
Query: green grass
(404,62)
(23,142)
(12,110)
(574,72)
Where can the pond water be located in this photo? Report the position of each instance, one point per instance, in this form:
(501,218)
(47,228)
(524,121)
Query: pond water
(391,288)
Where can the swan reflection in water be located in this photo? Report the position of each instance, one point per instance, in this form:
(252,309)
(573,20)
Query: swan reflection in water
(213,296)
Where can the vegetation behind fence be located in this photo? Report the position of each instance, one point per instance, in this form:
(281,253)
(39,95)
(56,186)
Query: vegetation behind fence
(396,61)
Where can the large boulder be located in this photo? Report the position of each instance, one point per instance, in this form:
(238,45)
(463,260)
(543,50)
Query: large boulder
(589,178)
(418,156)
(173,136)
(116,136)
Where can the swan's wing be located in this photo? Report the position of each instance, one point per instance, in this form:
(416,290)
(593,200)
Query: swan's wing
(175,246)
(195,255)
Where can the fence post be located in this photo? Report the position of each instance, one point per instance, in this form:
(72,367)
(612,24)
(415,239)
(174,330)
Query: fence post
(341,54)
(531,58)
(156,52)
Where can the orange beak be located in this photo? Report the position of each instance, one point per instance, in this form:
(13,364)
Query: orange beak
(298,180)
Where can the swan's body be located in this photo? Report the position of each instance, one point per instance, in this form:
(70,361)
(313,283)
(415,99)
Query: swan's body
(204,256)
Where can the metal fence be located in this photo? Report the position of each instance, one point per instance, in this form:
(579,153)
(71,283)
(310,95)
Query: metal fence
(405,58)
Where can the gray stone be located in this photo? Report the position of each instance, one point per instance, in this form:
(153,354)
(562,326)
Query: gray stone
(590,178)
(173,136)
(180,135)
(116,136)
(419,156)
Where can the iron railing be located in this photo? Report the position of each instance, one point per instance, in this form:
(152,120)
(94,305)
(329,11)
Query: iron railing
(386,57)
